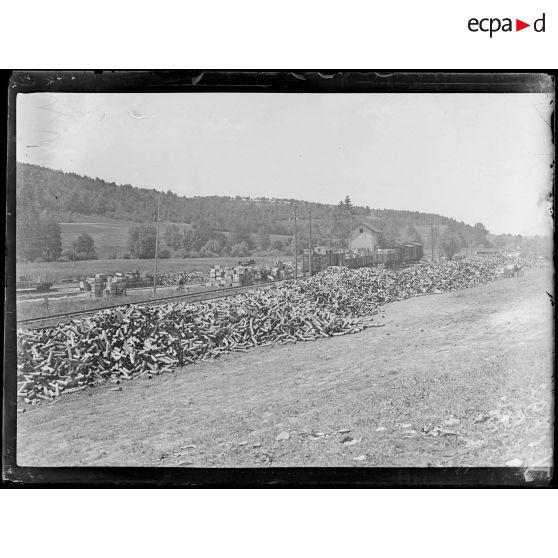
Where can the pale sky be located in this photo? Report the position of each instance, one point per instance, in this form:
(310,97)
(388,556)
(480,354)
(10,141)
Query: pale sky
(473,157)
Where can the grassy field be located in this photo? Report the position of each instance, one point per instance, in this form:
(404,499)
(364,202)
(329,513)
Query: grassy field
(478,362)
(58,271)
(111,235)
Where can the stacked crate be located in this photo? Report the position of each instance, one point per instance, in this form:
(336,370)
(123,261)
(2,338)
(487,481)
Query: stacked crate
(228,277)
(132,280)
(98,283)
(116,286)
(215,275)
(240,276)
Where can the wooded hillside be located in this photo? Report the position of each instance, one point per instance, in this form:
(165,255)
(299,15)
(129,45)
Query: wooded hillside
(46,197)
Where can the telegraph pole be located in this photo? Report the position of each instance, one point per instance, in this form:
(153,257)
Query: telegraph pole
(310,242)
(432,235)
(295,244)
(438,236)
(156,246)
(351,233)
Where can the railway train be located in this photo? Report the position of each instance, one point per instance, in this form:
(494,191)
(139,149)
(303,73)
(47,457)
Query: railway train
(389,257)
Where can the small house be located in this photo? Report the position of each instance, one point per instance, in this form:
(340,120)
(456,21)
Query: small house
(364,238)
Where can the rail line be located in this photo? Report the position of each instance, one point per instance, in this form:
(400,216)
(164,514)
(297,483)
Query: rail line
(192,297)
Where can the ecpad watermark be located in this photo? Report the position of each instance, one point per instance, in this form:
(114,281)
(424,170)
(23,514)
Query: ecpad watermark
(494,25)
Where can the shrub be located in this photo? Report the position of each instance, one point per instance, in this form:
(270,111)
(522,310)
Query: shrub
(240,250)
(141,241)
(85,247)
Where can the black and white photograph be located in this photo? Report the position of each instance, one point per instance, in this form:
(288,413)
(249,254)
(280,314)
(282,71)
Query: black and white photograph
(259,280)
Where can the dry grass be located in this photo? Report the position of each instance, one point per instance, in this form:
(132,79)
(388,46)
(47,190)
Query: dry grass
(455,356)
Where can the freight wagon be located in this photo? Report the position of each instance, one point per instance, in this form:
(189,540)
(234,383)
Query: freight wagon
(389,257)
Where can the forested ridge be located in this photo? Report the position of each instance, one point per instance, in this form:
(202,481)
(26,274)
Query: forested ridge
(62,194)
(46,197)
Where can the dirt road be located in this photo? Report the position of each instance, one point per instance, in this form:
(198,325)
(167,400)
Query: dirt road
(476,363)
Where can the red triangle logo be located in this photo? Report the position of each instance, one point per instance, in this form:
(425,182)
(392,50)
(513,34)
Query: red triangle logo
(519,25)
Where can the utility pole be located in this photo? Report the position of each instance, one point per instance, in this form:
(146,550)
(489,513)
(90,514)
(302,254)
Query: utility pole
(351,232)
(310,242)
(156,246)
(438,236)
(295,244)
(432,235)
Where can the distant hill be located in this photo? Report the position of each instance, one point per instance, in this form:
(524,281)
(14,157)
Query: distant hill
(67,193)
(78,202)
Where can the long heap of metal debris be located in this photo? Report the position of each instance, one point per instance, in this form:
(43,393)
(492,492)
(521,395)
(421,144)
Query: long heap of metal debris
(136,341)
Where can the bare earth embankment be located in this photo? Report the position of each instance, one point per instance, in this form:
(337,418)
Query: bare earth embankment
(477,364)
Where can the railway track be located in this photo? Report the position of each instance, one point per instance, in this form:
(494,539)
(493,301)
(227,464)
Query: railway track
(190,297)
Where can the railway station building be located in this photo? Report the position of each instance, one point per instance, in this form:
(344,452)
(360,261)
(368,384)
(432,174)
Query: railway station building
(364,238)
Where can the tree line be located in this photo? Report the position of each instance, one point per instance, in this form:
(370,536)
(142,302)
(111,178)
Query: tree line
(66,195)
(206,226)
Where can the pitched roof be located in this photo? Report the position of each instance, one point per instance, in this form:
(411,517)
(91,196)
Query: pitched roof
(370,227)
